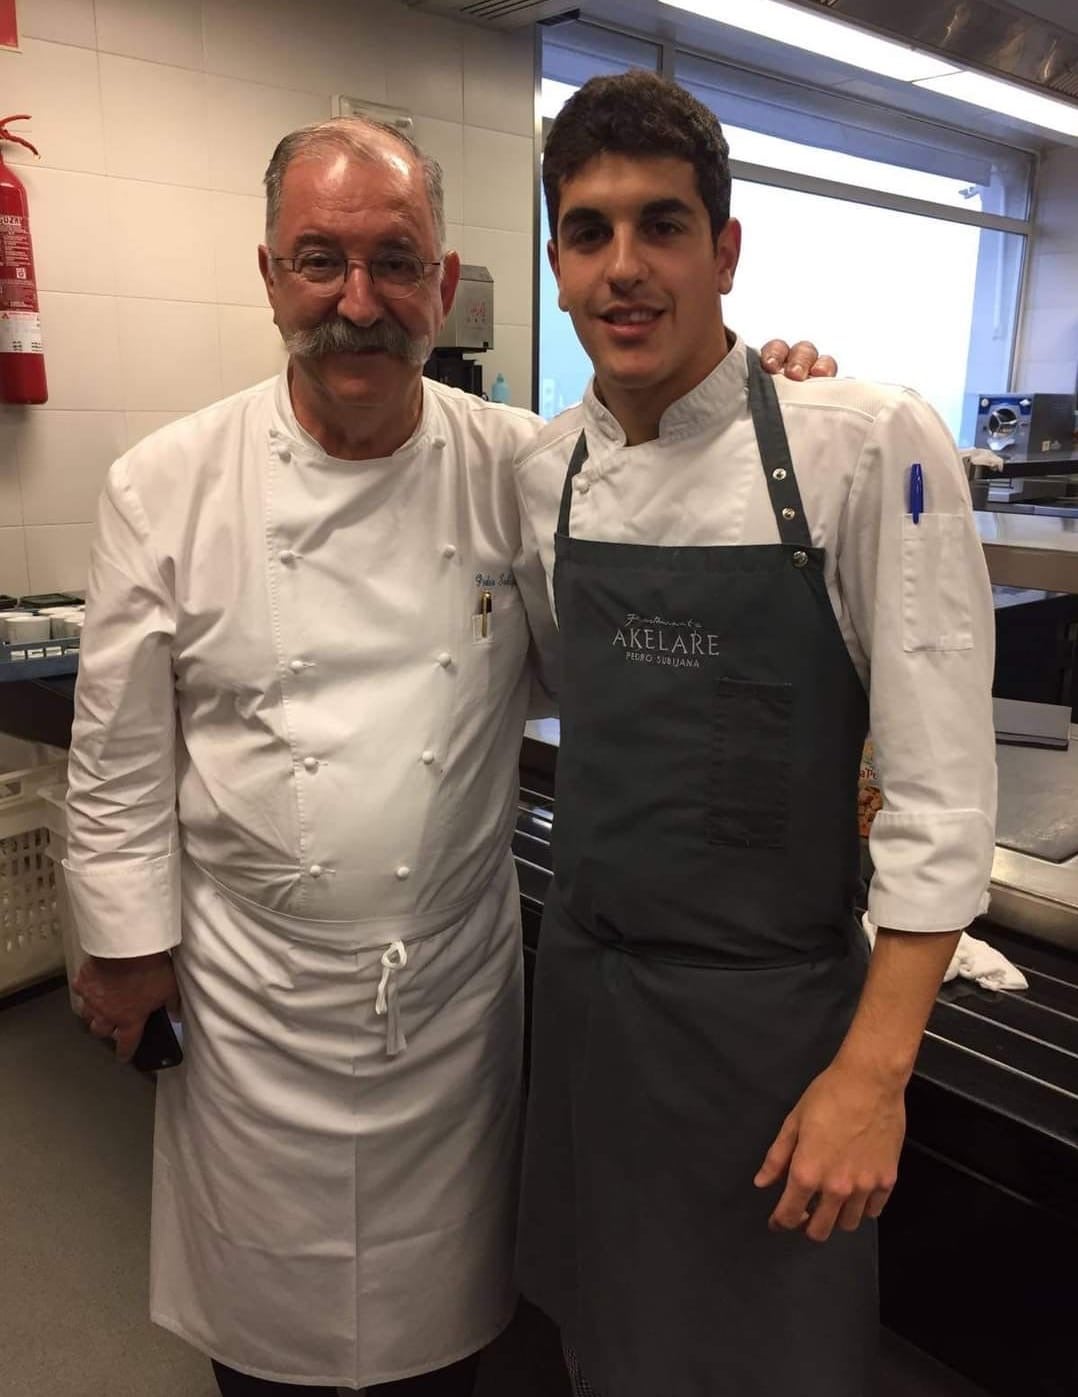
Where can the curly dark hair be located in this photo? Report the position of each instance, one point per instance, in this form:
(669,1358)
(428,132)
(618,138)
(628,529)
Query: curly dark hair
(638,114)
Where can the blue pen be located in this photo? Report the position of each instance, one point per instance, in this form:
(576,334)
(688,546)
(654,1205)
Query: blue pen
(917,492)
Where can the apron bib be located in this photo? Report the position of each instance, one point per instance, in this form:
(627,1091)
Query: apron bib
(700,960)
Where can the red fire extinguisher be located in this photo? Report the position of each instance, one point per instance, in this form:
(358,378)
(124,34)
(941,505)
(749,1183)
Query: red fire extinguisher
(22,356)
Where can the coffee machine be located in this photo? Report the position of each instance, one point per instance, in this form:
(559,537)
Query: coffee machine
(1017,424)
(468,329)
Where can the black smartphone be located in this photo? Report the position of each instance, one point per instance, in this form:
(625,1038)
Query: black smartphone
(158,1047)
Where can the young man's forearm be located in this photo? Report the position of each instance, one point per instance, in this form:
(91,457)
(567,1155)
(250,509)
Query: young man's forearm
(903,979)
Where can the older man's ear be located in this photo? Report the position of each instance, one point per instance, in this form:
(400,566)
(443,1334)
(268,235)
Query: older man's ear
(801,361)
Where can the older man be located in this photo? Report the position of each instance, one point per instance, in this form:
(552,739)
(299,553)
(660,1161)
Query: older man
(292,791)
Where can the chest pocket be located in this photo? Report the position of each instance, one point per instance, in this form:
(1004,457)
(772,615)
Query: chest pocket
(935,589)
(485,649)
(487,667)
(751,760)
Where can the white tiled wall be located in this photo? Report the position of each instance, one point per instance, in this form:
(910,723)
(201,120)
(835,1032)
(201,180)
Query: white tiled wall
(155,120)
(1048,352)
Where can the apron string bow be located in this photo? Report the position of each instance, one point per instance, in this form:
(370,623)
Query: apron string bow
(393,959)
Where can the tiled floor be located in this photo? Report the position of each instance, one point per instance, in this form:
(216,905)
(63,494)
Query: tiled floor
(75,1134)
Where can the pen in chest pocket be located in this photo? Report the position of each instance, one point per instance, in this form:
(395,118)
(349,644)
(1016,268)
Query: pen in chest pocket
(917,492)
(483,619)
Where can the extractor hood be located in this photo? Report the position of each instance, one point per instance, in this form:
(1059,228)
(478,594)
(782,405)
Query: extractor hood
(1031,41)
(1037,44)
(497,14)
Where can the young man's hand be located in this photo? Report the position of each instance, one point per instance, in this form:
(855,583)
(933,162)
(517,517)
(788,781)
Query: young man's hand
(118,996)
(800,362)
(839,1146)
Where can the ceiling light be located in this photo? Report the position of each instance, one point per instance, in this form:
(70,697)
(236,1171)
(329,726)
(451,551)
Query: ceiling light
(819,34)
(1007,100)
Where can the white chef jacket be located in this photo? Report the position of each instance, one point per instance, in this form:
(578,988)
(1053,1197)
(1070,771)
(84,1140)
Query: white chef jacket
(294,761)
(913,602)
(344,742)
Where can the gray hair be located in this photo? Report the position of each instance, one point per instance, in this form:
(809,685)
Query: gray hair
(350,134)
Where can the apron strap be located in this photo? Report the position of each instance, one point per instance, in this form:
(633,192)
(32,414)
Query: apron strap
(579,456)
(775,456)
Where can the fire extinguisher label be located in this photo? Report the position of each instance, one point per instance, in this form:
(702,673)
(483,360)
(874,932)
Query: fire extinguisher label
(17,289)
(20,332)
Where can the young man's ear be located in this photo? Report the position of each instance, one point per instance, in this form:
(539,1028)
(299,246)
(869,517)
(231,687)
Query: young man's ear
(555,267)
(727,256)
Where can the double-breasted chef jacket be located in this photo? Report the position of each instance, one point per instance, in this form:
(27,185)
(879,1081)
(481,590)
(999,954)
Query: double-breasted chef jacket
(294,765)
(737,599)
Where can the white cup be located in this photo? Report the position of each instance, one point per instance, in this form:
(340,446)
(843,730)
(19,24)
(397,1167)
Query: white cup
(4,620)
(24,629)
(6,616)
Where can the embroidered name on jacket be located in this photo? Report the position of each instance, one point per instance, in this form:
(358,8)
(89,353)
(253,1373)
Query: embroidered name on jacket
(656,640)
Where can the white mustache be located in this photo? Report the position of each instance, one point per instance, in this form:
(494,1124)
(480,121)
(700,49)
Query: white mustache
(340,336)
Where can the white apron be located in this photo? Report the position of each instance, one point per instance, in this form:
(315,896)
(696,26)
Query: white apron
(327,850)
(314,1220)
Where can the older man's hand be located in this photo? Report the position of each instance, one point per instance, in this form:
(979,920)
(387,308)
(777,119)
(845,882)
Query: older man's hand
(118,996)
(801,362)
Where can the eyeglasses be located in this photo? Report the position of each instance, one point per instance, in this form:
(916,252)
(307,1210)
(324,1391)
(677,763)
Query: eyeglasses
(392,274)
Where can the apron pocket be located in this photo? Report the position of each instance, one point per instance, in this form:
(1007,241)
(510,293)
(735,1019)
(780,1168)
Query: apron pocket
(751,760)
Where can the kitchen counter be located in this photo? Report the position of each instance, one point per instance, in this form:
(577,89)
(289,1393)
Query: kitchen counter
(1030,550)
(1028,463)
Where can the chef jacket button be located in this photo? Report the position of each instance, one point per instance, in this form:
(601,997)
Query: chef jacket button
(404,872)
(800,558)
(779,473)
(284,453)
(582,485)
(789,513)
(310,763)
(449,551)
(438,443)
(286,555)
(315,870)
(427,757)
(297,666)
(445,659)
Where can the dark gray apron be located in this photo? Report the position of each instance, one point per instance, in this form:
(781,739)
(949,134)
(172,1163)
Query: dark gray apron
(699,960)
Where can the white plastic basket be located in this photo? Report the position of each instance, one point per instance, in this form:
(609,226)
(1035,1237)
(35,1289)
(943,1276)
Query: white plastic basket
(31,928)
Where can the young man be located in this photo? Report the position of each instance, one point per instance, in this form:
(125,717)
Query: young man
(716,1107)
(293,784)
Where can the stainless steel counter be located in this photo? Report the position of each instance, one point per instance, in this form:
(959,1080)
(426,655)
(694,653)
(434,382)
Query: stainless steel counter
(1030,550)
(1035,869)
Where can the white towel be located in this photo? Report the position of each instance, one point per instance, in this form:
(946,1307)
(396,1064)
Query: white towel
(973,960)
(981,456)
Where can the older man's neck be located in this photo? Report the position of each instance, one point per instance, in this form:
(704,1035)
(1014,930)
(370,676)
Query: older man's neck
(354,432)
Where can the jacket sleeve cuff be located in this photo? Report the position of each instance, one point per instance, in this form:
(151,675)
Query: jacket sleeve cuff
(932,870)
(129,908)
